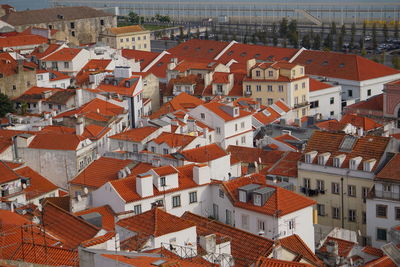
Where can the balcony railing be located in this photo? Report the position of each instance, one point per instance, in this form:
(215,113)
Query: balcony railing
(311,192)
(386,195)
(248,93)
(300,105)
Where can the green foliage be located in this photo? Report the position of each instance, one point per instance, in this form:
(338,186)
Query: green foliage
(385,31)
(6,106)
(306,42)
(328,42)
(364,30)
(133,18)
(317,42)
(283,27)
(396,62)
(333,28)
(339,43)
(343,30)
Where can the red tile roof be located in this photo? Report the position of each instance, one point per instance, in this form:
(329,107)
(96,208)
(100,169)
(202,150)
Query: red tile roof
(373,251)
(391,171)
(7,173)
(64,54)
(252,154)
(342,66)
(95,132)
(58,129)
(121,87)
(68,228)
(22,40)
(345,246)
(268,262)
(165,170)
(174,140)
(56,141)
(204,153)
(43,51)
(331,126)
(136,134)
(97,109)
(100,172)
(297,246)
(384,261)
(107,216)
(216,108)
(284,138)
(280,203)
(359,121)
(39,185)
(368,147)
(198,49)
(372,103)
(286,166)
(316,85)
(92,67)
(144,57)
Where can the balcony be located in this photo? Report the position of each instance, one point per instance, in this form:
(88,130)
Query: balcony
(300,105)
(311,192)
(386,195)
(248,93)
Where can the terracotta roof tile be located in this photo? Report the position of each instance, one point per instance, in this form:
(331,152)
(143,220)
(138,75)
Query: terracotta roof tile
(64,54)
(92,67)
(287,165)
(331,126)
(204,153)
(100,172)
(316,85)
(344,246)
(252,154)
(135,135)
(391,171)
(107,216)
(198,49)
(280,203)
(384,261)
(296,245)
(39,185)
(42,51)
(56,141)
(268,262)
(216,108)
(372,103)
(127,29)
(373,251)
(342,66)
(359,121)
(174,140)
(284,138)
(22,40)
(144,57)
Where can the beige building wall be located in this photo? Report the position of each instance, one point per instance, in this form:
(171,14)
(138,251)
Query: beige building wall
(151,89)
(16,84)
(332,200)
(138,40)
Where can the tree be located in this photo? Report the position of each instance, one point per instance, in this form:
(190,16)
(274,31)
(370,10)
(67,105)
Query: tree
(364,30)
(6,106)
(396,62)
(396,30)
(385,31)
(133,18)
(181,34)
(374,38)
(294,39)
(339,43)
(343,30)
(317,42)
(306,42)
(328,42)
(361,42)
(274,35)
(333,28)
(283,27)
(292,26)
(353,34)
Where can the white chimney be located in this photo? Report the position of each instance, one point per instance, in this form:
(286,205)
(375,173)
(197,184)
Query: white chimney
(78,97)
(144,185)
(80,126)
(201,174)
(360,131)
(122,72)
(208,243)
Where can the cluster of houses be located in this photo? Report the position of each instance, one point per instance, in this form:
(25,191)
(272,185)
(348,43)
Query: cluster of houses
(207,154)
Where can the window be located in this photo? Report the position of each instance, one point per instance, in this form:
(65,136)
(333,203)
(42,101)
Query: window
(332,100)
(291,224)
(153,149)
(50,106)
(296,87)
(219,88)
(381,211)
(72,25)
(369,92)
(306,182)
(381,234)
(270,101)
(320,185)
(321,209)
(176,201)
(127,39)
(137,209)
(192,197)
(293,72)
(270,73)
(162,181)
(364,217)
(303,98)
(352,215)
(296,100)
(165,151)
(203,116)
(59,107)
(40,77)
(350,93)
(332,113)
(258,73)
(228,217)
(243,139)
(236,127)
(257,199)
(259,100)
(387,188)
(221,193)
(260,225)
(280,88)
(248,88)
(351,190)
(121,40)
(242,196)
(54,65)
(365,192)
(245,221)
(242,124)
(335,213)
(303,111)
(66,65)
(303,85)
(133,39)
(14,87)
(102,22)
(215,211)
(218,130)
(269,88)
(335,188)
(138,38)
(314,104)
(397,213)
(258,88)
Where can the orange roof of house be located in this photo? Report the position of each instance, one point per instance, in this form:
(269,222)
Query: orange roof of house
(269,262)
(95,132)
(22,40)
(7,173)
(39,185)
(221,77)
(56,141)
(127,29)
(286,166)
(280,203)
(345,246)
(316,85)
(165,170)
(198,49)
(68,228)
(331,126)
(297,246)
(367,147)
(391,171)
(58,129)
(359,121)
(120,88)
(64,54)
(204,153)
(373,251)
(263,117)
(144,57)
(126,188)
(107,216)
(100,172)
(155,222)
(372,103)
(41,51)
(216,108)
(174,140)
(136,134)
(342,66)
(284,138)
(252,154)
(282,105)
(195,64)
(97,109)
(92,67)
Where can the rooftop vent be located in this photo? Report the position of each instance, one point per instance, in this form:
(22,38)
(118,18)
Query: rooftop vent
(347,143)
(260,196)
(244,191)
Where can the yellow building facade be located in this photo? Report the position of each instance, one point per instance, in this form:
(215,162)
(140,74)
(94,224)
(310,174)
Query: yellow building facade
(128,37)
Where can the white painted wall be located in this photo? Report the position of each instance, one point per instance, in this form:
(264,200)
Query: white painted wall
(325,107)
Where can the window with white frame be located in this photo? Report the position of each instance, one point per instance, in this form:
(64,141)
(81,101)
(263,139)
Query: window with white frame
(321,209)
(137,209)
(218,130)
(280,88)
(245,221)
(335,213)
(352,215)
(258,88)
(260,225)
(243,139)
(269,87)
(257,199)
(193,197)
(176,201)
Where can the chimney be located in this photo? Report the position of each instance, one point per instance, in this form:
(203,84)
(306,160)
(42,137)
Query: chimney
(144,185)
(201,174)
(360,131)
(78,97)
(79,126)
(249,64)
(208,243)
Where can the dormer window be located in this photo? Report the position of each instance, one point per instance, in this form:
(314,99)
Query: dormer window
(369,164)
(257,199)
(258,73)
(338,160)
(323,158)
(162,181)
(270,73)
(309,157)
(236,111)
(242,196)
(354,162)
